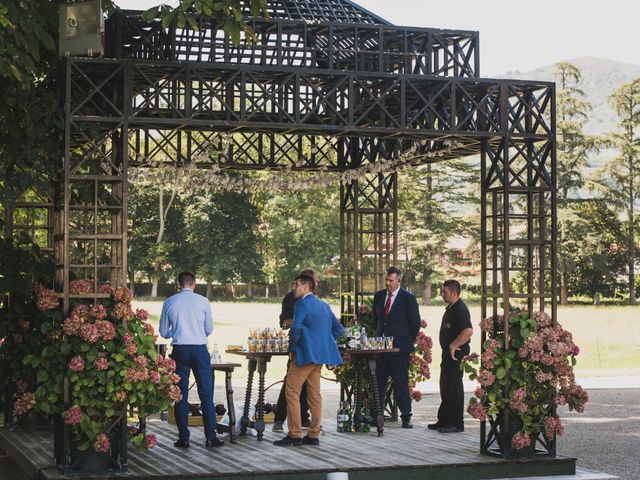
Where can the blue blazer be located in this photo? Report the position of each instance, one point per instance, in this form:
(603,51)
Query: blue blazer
(403,322)
(314,332)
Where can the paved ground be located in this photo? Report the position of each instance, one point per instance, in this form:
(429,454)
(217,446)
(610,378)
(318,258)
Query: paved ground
(605,438)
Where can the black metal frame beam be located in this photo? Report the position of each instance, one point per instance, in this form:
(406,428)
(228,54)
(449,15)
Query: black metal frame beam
(336,46)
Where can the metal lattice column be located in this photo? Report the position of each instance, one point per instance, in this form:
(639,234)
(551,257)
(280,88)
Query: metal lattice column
(518,220)
(90,237)
(368,238)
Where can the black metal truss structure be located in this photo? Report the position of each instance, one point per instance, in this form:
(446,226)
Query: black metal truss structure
(326,86)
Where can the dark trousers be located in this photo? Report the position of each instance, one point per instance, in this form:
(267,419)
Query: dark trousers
(396,366)
(196,358)
(451,392)
(281,407)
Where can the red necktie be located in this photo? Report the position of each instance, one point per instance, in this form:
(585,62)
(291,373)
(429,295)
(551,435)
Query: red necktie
(387,306)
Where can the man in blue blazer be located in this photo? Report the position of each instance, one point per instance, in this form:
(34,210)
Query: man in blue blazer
(312,343)
(396,314)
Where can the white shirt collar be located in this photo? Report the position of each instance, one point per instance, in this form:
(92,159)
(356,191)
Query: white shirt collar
(395,292)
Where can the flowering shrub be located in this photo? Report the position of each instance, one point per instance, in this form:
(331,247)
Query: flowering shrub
(24,330)
(529,378)
(419,359)
(108,355)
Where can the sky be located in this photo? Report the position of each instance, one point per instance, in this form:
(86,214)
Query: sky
(517,35)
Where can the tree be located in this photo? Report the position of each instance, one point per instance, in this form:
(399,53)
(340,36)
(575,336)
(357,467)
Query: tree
(619,178)
(595,240)
(31,121)
(222,232)
(301,230)
(157,259)
(573,147)
(429,212)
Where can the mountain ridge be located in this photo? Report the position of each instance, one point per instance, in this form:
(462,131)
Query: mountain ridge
(600,78)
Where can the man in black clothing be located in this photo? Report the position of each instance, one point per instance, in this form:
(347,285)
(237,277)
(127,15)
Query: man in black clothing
(286,319)
(455,332)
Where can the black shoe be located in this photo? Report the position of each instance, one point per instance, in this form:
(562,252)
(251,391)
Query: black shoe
(436,426)
(307,440)
(305,424)
(288,442)
(450,429)
(181,443)
(213,443)
(407,423)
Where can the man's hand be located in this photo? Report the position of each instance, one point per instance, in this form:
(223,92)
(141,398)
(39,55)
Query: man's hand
(291,356)
(452,350)
(287,323)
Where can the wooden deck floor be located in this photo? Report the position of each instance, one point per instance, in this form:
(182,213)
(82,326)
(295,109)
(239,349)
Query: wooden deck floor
(404,454)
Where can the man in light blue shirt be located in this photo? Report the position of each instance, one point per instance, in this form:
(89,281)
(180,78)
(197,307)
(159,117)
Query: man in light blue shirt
(186,319)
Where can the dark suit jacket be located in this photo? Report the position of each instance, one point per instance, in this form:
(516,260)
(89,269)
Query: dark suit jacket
(403,322)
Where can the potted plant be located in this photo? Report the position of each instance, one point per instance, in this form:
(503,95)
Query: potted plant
(105,354)
(523,377)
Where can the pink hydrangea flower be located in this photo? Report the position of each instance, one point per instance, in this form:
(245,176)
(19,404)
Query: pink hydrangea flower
(102,443)
(150,441)
(76,364)
(520,440)
(101,363)
(24,403)
(79,287)
(73,416)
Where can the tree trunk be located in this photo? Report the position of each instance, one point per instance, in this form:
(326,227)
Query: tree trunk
(632,257)
(154,284)
(266,290)
(132,284)
(209,290)
(596,299)
(233,290)
(426,291)
(249,292)
(564,290)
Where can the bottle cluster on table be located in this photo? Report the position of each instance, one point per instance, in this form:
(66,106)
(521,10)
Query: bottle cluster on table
(268,340)
(356,338)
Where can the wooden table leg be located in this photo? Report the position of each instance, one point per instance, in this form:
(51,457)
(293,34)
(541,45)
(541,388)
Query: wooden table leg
(357,408)
(244,421)
(230,406)
(262,369)
(376,397)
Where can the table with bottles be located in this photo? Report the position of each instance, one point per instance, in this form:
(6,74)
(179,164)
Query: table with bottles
(362,351)
(262,345)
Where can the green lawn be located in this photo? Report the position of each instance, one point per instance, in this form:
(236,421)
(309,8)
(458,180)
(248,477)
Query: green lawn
(608,337)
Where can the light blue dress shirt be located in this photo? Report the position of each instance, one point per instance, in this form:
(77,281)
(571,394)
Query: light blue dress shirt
(186,318)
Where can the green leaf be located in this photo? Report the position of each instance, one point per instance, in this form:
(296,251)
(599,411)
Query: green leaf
(150,14)
(42,376)
(501,373)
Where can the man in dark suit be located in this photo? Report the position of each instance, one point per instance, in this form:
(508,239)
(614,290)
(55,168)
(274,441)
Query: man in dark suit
(396,314)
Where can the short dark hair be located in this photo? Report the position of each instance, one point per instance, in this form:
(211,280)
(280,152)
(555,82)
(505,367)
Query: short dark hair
(310,272)
(395,270)
(307,280)
(186,279)
(453,285)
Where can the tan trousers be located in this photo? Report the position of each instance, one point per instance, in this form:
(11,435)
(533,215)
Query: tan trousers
(296,377)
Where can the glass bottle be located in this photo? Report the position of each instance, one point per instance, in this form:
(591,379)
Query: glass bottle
(215,354)
(340,419)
